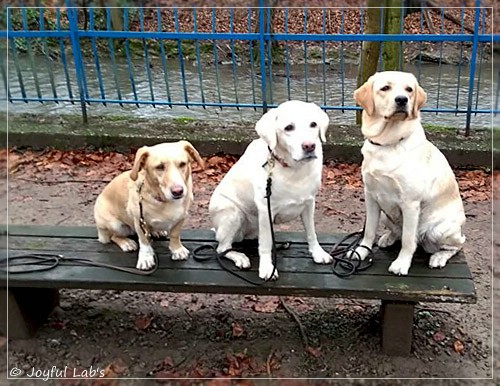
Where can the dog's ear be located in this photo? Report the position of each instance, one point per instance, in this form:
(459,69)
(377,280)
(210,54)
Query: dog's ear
(364,96)
(420,99)
(140,158)
(323,121)
(193,153)
(266,128)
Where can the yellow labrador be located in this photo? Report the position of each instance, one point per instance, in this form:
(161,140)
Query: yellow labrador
(408,181)
(161,175)
(292,133)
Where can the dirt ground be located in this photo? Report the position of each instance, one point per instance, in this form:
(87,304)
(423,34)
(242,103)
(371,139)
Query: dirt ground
(139,334)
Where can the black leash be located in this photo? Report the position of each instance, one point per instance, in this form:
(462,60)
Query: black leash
(220,256)
(47,261)
(344,266)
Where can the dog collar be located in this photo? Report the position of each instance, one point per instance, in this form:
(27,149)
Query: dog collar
(280,160)
(157,197)
(379,144)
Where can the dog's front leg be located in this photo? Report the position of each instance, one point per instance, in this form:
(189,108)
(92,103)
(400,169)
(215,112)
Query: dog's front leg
(179,251)
(371,223)
(146,259)
(267,270)
(318,254)
(411,214)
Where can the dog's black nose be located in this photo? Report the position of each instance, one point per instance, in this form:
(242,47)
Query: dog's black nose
(401,100)
(308,147)
(177,191)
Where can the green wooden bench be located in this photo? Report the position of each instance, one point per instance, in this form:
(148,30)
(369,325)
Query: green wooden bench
(32,296)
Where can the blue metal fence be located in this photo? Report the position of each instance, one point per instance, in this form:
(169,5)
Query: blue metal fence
(254,79)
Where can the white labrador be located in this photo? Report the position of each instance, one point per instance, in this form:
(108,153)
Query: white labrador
(291,134)
(408,181)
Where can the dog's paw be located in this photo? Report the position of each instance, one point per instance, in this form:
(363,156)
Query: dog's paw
(146,259)
(128,245)
(239,259)
(439,259)
(400,266)
(387,239)
(359,253)
(321,257)
(268,272)
(159,234)
(181,253)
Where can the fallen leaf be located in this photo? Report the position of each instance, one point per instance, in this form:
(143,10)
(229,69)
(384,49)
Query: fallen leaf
(238,329)
(164,303)
(438,336)
(119,366)
(142,322)
(458,346)
(315,352)
(109,372)
(167,362)
(267,307)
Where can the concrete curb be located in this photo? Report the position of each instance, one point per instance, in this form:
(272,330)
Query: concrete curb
(125,134)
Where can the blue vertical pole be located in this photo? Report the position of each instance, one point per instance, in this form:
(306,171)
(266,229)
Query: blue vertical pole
(472,75)
(262,48)
(77,53)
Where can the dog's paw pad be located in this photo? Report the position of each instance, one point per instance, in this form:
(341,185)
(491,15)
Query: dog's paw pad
(128,245)
(400,267)
(268,272)
(180,254)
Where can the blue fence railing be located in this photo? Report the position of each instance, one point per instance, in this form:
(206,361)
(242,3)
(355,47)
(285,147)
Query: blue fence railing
(244,58)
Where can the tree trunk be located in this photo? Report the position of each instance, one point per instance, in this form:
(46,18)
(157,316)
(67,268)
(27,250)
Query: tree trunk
(371,50)
(392,50)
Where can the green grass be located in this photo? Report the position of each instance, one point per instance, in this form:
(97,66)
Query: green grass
(183,120)
(438,128)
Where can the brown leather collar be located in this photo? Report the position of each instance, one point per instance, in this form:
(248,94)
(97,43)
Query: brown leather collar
(280,160)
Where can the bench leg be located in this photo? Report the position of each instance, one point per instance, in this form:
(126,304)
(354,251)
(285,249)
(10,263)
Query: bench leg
(28,308)
(397,327)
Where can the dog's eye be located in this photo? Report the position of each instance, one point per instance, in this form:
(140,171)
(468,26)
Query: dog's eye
(385,88)
(182,165)
(313,124)
(160,167)
(409,89)
(289,128)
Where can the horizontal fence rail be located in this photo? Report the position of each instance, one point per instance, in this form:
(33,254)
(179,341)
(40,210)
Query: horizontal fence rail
(243,58)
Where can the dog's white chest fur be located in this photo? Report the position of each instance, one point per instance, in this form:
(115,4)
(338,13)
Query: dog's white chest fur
(157,219)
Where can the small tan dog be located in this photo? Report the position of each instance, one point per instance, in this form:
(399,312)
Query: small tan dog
(161,181)
(409,184)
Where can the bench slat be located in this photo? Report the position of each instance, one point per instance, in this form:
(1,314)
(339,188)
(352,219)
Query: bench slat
(299,284)
(285,264)
(297,249)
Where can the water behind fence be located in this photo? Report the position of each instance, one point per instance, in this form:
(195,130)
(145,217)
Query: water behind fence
(166,61)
